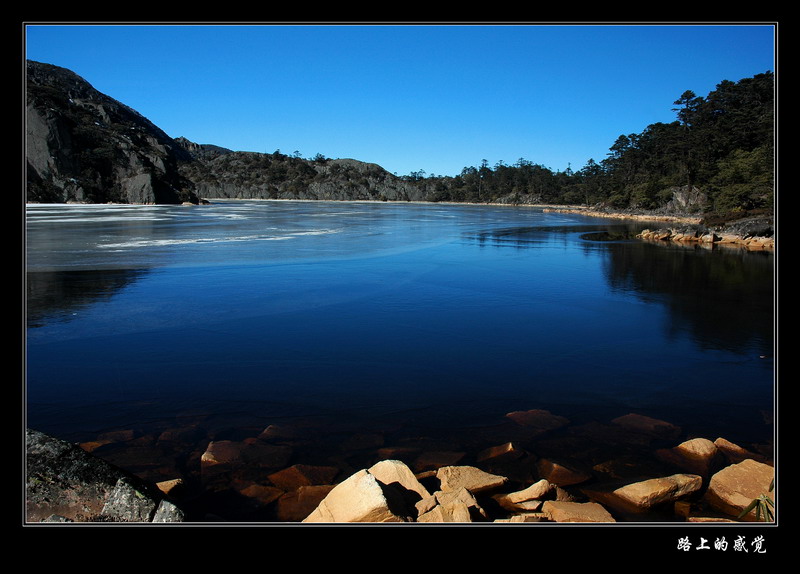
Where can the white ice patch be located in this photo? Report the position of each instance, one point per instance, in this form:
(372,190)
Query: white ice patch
(137,243)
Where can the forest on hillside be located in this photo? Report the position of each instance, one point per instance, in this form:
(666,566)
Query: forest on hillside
(721,146)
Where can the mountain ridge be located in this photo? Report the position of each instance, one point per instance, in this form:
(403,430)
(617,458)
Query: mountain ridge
(83,146)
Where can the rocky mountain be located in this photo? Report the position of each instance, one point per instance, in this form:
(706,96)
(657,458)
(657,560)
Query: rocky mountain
(84,146)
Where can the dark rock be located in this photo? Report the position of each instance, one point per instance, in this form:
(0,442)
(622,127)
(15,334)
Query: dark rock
(83,146)
(64,480)
(129,502)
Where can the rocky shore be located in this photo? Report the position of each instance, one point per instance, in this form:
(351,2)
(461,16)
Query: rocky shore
(754,232)
(651,474)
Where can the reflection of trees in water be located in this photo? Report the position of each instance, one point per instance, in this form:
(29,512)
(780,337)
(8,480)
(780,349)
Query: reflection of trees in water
(531,236)
(723,297)
(57,294)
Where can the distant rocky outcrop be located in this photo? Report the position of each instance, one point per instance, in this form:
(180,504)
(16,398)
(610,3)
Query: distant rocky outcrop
(223,174)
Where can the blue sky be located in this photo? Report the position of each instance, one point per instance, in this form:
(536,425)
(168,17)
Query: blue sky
(432,98)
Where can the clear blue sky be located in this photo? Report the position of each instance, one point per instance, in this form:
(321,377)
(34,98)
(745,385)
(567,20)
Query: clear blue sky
(435,98)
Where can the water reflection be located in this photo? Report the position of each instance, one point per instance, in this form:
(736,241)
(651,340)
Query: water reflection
(59,295)
(723,298)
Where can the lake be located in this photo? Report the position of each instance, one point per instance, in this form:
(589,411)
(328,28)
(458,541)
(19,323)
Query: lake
(412,319)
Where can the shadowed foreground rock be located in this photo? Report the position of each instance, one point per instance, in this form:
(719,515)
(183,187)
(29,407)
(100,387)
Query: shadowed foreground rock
(64,483)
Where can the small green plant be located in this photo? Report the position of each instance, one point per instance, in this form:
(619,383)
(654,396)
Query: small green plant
(763,506)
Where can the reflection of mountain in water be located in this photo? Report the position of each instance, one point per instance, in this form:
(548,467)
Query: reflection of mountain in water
(58,294)
(724,297)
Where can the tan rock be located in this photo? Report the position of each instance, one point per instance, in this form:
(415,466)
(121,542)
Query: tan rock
(299,475)
(734,487)
(391,472)
(561,474)
(221,452)
(696,456)
(359,498)
(426,504)
(451,506)
(91,446)
(641,496)
(456,499)
(558,511)
(473,479)
(526,517)
(170,486)
(648,425)
(536,491)
(501,452)
(296,505)
(520,506)
(735,453)
(261,493)
(538,418)
(439,513)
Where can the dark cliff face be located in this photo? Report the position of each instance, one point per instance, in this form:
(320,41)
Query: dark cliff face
(87,147)
(83,146)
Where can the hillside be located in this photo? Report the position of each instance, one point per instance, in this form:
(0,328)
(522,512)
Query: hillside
(715,160)
(86,147)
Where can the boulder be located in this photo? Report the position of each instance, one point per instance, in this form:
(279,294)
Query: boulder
(503,452)
(221,452)
(529,499)
(642,496)
(168,512)
(473,479)
(734,453)
(296,505)
(536,491)
(299,475)
(561,474)
(559,511)
(395,472)
(261,493)
(170,486)
(525,517)
(648,425)
(129,502)
(736,486)
(452,506)
(696,456)
(66,481)
(359,498)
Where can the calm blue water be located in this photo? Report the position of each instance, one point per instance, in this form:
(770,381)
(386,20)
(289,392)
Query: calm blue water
(453,315)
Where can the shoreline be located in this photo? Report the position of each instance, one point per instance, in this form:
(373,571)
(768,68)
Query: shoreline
(691,231)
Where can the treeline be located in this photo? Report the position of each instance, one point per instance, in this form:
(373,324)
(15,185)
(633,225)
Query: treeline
(720,146)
